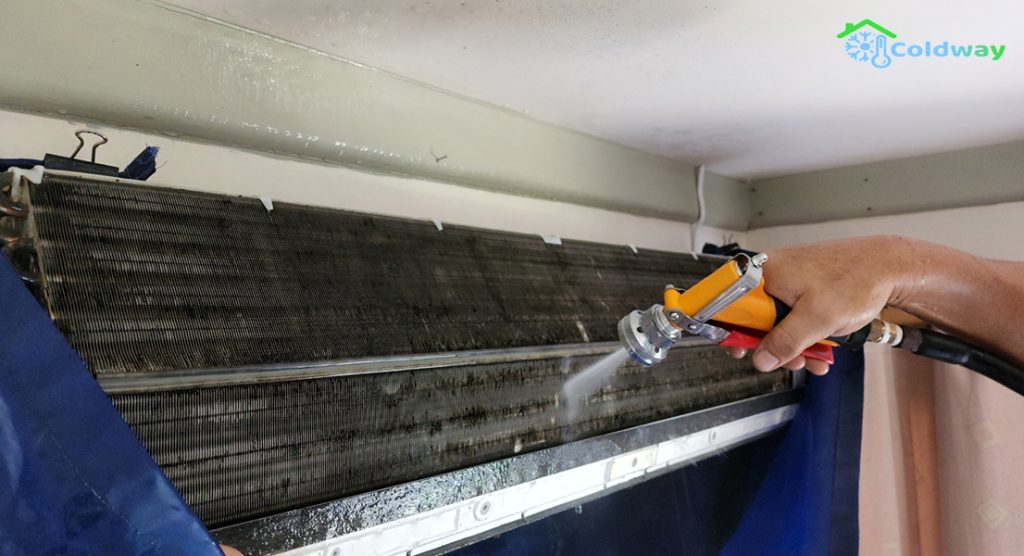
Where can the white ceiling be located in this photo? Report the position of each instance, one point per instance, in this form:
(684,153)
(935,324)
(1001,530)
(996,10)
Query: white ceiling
(753,89)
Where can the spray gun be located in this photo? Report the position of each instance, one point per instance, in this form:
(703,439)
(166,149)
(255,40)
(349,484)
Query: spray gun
(731,308)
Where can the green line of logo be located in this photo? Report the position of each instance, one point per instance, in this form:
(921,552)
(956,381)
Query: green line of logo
(851,28)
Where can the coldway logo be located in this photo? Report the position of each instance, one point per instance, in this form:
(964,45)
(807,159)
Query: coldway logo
(871,43)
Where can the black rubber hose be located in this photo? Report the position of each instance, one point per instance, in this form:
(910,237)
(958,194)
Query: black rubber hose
(950,349)
(941,347)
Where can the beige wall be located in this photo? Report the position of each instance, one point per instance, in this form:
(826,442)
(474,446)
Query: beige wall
(973,177)
(991,231)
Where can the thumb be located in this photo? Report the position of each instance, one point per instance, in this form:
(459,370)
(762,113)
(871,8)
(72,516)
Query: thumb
(801,328)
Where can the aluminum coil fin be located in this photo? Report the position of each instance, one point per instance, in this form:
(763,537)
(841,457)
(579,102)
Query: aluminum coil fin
(145,281)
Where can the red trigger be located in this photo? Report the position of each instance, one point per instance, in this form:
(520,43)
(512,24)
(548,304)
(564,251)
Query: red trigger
(749,339)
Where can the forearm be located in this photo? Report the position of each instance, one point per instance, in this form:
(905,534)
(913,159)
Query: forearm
(978,299)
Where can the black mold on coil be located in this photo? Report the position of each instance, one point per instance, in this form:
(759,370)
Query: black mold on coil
(144,279)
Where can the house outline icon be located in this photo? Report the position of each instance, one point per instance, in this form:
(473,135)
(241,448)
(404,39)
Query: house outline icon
(851,28)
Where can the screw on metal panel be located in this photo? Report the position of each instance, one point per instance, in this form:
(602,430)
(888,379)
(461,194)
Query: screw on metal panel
(674,316)
(481,509)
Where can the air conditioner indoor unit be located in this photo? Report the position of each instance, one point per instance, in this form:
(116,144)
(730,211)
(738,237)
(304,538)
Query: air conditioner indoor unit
(316,381)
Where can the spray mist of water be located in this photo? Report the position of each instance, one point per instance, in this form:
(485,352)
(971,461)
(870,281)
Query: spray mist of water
(590,379)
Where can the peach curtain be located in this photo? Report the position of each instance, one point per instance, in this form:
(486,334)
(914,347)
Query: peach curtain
(942,461)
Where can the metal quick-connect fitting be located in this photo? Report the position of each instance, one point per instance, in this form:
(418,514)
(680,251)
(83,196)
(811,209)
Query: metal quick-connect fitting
(648,335)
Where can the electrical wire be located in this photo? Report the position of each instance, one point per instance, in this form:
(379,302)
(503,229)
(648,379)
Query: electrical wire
(701,213)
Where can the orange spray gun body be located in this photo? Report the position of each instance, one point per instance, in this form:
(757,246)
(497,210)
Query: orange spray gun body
(729,307)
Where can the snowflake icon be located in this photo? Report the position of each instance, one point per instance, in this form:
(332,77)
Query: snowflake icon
(861,46)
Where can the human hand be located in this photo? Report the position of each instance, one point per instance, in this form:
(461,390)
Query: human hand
(834,288)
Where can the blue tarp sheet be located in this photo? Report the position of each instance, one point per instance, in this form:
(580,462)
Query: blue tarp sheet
(73,477)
